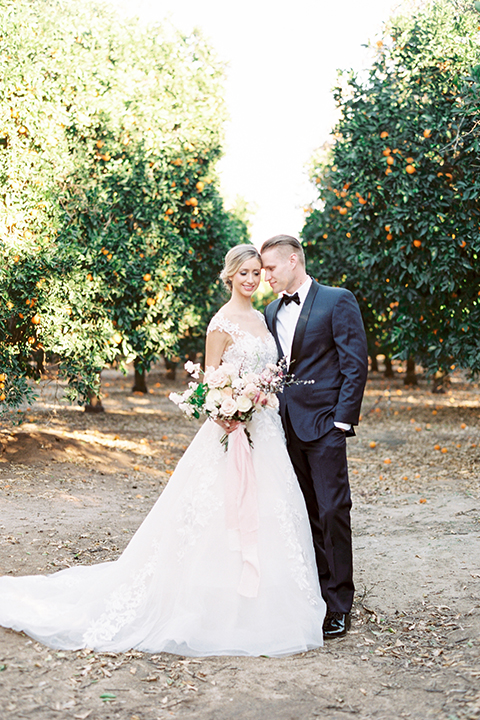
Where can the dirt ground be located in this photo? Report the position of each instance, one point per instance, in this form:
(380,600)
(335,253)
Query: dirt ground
(75,486)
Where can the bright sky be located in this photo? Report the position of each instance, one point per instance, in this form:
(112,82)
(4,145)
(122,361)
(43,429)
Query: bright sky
(282,59)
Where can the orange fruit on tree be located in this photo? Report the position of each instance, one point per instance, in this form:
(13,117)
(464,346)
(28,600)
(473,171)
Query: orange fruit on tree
(194,201)
(2,397)
(387,461)
(388,171)
(463,244)
(147,277)
(35,319)
(389,236)
(362,201)
(169,211)
(150,301)
(9,305)
(386,152)
(343,211)
(390,160)
(409,160)
(117,338)
(417,243)
(427,133)
(410,169)
(384,134)
(349,204)
(387,228)
(372,444)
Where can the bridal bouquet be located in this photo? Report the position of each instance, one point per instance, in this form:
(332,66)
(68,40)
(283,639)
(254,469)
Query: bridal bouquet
(225,393)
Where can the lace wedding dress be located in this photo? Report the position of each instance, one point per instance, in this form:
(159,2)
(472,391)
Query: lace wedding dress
(175,588)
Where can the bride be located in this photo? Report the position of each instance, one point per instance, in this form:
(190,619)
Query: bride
(176,587)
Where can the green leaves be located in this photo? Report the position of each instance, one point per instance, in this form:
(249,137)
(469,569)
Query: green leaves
(399,191)
(111,131)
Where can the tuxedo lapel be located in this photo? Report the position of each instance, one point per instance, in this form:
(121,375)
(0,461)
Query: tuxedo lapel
(302,322)
(274,327)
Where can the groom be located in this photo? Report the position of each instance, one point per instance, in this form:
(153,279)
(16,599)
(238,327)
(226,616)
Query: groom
(320,331)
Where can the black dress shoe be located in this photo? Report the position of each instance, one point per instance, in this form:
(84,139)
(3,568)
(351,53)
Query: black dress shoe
(336,625)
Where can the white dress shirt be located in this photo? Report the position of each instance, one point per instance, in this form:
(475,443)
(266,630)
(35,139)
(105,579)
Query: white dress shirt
(287,318)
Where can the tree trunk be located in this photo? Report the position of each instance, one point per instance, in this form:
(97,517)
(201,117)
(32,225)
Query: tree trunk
(388,366)
(94,404)
(39,356)
(374,362)
(139,384)
(171,369)
(410,377)
(439,381)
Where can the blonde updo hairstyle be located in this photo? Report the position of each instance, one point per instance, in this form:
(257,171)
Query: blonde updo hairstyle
(234,260)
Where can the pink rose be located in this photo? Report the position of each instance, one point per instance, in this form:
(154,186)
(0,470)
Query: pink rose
(228,407)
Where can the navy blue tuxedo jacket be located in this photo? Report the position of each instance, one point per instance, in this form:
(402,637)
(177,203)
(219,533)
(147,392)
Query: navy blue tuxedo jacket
(330,347)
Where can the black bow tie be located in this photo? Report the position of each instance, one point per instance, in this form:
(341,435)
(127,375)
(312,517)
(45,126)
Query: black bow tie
(287,299)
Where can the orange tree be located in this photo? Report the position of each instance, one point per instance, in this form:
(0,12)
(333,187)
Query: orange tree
(398,216)
(112,226)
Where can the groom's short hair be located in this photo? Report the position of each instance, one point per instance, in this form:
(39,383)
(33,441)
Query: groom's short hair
(285,243)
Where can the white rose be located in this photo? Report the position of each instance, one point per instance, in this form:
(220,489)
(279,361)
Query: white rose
(210,407)
(217,378)
(251,378)
(214,396)
(272,401)
(250,390)
(175,398)
(244,403)
(226,392)
(228,407)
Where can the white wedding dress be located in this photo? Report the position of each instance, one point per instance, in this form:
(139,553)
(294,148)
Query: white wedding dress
(175,586)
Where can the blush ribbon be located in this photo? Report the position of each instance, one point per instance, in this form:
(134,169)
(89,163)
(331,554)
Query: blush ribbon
(242,510)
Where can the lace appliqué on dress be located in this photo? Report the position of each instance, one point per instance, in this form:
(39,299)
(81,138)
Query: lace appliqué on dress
(222,323)
(122,606)
(289,519)
(201,505)
(249,353)
(266,424)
